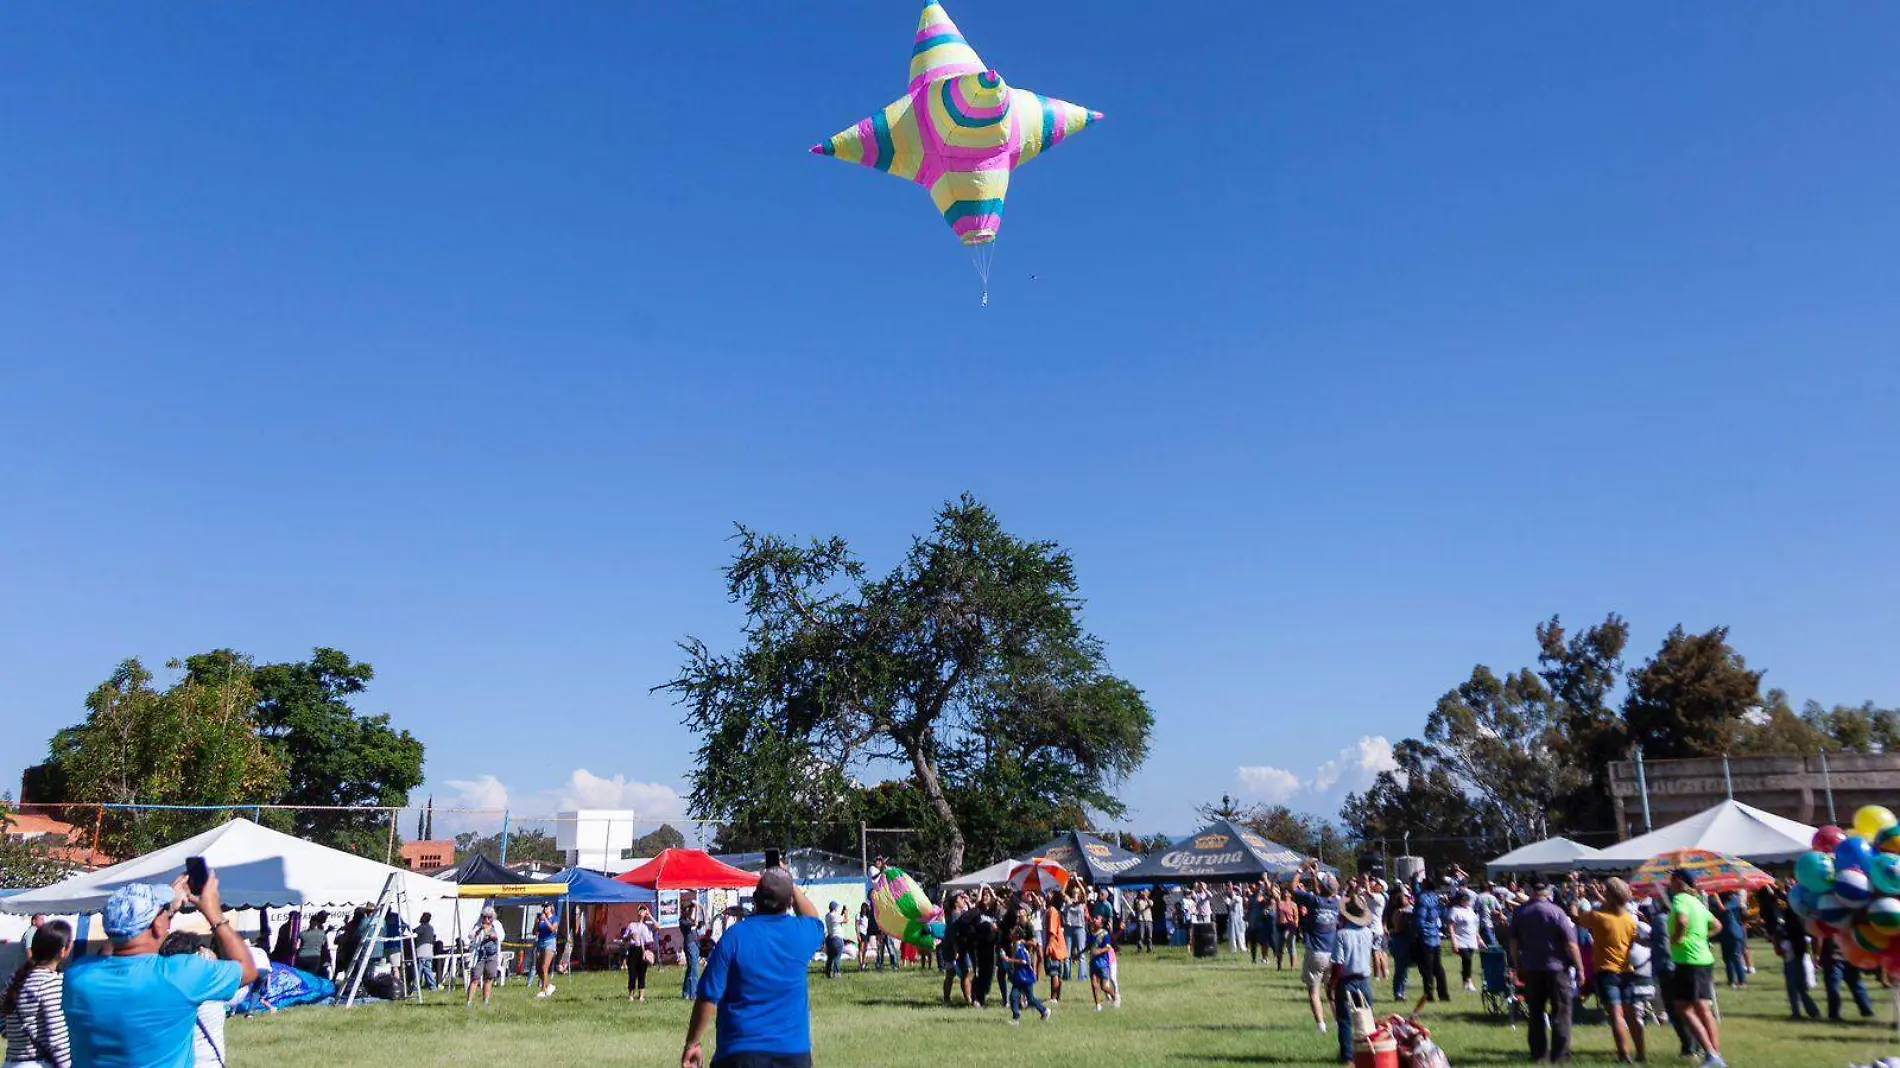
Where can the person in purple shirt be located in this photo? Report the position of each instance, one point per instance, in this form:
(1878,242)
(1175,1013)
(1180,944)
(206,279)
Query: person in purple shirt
(1544,947)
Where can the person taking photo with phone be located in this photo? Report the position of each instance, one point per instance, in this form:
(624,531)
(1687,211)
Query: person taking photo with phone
(136,1009)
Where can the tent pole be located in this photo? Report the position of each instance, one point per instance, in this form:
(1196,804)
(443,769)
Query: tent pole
(504,838)
(1827,782)
(1728,781)
(1642,786)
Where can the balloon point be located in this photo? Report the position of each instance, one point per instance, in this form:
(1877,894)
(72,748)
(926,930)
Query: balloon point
(820,150)
(1096,116)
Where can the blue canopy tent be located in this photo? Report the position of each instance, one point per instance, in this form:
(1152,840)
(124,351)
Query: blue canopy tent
(592,890)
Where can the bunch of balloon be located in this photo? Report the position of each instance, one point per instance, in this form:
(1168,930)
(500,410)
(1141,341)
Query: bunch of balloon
(1848,889)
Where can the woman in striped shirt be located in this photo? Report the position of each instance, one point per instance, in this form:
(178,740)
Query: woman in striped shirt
(36,1026)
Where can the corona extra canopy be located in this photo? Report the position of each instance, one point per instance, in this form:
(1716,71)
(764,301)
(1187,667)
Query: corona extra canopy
(1220,851)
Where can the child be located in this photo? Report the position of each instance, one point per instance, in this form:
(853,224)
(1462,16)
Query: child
(1022,977)
(1102,966)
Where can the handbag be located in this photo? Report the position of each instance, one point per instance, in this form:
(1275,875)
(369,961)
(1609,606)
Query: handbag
(1363,1021)
(647,955)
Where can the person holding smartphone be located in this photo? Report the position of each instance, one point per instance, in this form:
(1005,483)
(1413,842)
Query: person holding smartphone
(136,1008)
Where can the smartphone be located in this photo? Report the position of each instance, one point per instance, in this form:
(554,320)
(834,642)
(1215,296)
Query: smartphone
(197,872)
(772,858)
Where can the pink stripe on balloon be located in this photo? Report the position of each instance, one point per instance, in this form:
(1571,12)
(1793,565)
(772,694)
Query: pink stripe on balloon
(867,135)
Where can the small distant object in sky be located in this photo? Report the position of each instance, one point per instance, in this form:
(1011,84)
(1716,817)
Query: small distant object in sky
(1032,278)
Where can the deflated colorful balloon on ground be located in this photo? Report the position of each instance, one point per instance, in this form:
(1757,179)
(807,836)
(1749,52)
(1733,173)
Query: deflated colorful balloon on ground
(902,910)
(960,131)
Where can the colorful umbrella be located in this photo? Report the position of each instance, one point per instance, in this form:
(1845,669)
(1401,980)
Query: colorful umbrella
(1714,872)
(1039,875)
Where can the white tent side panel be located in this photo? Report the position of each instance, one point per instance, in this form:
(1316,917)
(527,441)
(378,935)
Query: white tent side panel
(257,868)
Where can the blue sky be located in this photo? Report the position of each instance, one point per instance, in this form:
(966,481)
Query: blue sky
(1356,341)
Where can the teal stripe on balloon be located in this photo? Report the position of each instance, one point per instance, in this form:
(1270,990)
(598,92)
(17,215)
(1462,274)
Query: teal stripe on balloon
(965,121)
(963,209)
(881,129)
(929,43)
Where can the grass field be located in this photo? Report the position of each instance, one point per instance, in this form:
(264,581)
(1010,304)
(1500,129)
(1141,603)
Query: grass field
(1178,1012)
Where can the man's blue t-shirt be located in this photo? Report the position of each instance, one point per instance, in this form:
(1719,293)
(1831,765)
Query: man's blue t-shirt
(757,975)
(141,1012)
(1428,919)
(1320,922)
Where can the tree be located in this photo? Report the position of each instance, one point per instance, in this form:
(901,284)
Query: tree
(1421,805)
(524,847)
(332,755)
(1856,728)
(193,744)
(967,666)
(229,733)
(1502,743)
(28,863)
(1692,698)
(652,845)
(1582,672)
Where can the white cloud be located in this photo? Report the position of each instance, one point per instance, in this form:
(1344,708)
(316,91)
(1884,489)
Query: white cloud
(584,789)
(1277,785)
(1354,768)
(1357,765)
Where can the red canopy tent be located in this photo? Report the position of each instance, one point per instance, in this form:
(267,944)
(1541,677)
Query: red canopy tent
(688,869)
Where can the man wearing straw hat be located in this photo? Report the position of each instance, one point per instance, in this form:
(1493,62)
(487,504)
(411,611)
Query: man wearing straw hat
(1350,979)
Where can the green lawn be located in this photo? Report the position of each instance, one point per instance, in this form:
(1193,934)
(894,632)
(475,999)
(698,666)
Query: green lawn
(1178,1012)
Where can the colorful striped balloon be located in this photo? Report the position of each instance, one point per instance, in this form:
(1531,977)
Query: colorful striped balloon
(903,911)
(959,131)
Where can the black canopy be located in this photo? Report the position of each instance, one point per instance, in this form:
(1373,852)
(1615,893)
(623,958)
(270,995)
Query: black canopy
(478,870)
(1220,851)
(1088,856)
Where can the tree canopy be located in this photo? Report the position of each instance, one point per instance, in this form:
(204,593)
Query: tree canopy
(964,673)
(230,733)
(1507,759)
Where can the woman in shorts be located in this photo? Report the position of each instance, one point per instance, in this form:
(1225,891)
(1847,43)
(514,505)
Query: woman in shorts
(547,932)
(484,955)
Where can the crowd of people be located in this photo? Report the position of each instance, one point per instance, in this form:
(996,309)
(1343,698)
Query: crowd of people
(1539,948)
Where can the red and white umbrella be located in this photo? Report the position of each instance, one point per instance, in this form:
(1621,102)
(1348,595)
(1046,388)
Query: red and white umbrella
(1039,874)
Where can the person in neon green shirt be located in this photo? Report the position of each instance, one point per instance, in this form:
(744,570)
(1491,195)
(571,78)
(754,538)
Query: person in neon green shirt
(1691,925)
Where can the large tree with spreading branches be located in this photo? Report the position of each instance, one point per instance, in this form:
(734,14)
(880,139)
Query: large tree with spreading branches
(964,672)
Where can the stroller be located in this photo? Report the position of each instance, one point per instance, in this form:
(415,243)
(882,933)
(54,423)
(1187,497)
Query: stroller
(1500,996)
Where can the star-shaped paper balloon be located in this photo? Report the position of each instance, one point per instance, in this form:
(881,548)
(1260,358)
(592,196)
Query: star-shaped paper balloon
(960,130)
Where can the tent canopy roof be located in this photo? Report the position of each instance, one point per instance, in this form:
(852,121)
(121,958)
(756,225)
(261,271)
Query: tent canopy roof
(1221,851)
(995,875)
(1551,854)
(687,869)
(478,870)
(1731,827)
(591,888)
(256,868)
(1088,856)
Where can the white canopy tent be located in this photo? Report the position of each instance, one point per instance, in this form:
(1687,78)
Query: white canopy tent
(257,868)
(1552,854)
(1731,827)
(995,875)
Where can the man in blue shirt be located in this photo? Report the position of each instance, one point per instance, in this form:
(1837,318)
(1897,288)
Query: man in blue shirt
(136,1009)
(1319,922)
(1429,919)
(756,983)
